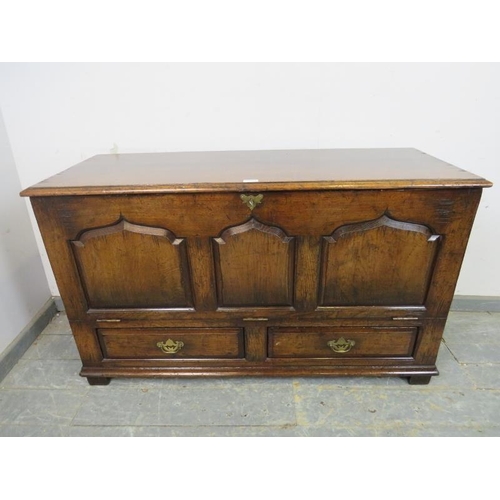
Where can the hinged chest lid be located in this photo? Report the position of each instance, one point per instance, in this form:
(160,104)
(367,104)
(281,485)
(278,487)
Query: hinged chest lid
(314,169)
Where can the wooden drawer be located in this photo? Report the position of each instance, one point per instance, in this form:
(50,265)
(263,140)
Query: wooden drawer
(326,342)
(171,343)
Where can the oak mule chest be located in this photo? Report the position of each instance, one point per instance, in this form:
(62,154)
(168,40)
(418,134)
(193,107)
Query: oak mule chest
(273,263)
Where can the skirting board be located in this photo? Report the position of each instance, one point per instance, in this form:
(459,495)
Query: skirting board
(475,303)
(28,335)
(59,303)
(472,303)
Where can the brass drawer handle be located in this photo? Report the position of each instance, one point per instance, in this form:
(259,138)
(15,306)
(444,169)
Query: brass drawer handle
(170,346)
(251,200)
(341,345)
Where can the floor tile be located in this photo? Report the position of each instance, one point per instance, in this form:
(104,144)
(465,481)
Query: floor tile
(326,405)
(328,431)
(112,406)
(484,376)
(207,384)
(475,353)
(38,406)
(450,431)
(346,382)
(179,431)
(32,430)
(98,431)
(53,347)
(182,431)
(137,383)
(416,430)
(413,430)
(228,431)
(45,373)
(463,327)
(58,326)
(243,404)
(451,373)
(228,383)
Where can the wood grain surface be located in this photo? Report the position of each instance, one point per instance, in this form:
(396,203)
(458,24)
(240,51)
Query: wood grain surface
(256,170)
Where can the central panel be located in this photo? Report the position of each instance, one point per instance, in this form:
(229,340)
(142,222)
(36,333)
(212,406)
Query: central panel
(254,266)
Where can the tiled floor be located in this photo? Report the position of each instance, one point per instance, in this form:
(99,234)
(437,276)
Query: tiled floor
(44,396)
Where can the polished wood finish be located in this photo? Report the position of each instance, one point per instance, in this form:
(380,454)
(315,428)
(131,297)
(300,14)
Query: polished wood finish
(256,341)
(129,265)
(307,342)
(360,245)
(254,266)
(130,343)
(256,171)
(379,262)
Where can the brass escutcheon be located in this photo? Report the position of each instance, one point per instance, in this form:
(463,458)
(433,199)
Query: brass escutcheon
(251,201)
(170,346)
(341,345)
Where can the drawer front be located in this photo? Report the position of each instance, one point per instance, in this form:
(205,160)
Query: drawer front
(171,343)
(324,342)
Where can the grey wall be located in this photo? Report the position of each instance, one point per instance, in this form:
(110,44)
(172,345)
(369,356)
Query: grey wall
(23,284)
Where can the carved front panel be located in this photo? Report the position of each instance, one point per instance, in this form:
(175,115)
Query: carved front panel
(254,266)
(379,262)
(128,265)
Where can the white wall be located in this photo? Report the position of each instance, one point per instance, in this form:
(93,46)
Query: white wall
(23,285)
(59,114)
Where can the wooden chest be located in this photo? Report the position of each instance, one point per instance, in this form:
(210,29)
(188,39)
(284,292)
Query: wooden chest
(273,263)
